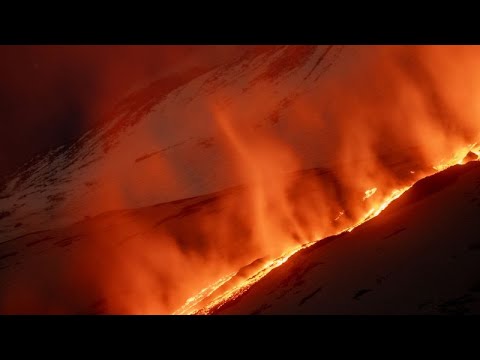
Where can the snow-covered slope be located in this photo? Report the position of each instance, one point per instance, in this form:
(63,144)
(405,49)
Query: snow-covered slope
(420,256)
(195,176)
(150,139)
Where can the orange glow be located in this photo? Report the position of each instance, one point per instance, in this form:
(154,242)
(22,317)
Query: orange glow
(270,154)
(191,306)
(458,158)
(369,193)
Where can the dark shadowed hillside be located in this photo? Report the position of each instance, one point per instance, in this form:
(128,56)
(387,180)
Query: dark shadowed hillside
(420,256)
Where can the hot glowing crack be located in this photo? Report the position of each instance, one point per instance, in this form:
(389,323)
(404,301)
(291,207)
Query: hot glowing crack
(369,193)
(200,304)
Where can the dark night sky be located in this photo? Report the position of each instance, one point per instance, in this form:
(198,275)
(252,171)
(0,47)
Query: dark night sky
(51,94)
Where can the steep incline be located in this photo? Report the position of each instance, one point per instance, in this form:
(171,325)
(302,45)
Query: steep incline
(151,137)
(420,256)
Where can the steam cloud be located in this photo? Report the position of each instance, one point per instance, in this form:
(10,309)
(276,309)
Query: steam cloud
(381,117)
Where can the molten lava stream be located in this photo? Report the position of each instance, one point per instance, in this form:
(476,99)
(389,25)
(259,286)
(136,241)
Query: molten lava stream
(201,304)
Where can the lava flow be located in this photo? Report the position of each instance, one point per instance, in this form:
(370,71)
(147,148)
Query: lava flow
(204,303)
(197,186)
(192,304)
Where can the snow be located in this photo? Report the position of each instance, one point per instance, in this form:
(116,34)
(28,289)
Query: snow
(136,167)
(420,256)
(65,171)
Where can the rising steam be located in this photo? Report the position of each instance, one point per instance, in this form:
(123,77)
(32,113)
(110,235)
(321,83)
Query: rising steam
(299,152)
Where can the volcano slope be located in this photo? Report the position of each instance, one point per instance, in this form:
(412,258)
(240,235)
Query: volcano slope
(420,256)
(126,219)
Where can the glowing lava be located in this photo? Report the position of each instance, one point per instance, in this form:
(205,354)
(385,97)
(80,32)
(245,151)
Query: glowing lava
(374,211)
(194,304)
(191,306)
(369,193)
(339,215)
(458,158)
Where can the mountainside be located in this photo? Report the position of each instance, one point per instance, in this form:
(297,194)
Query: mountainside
(201,185)
(420,256)
(151,138)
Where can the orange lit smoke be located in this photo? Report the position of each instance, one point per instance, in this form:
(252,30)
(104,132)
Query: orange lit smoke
(389,116)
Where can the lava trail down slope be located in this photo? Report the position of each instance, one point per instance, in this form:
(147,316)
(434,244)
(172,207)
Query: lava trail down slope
(198,186)
(420,256)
